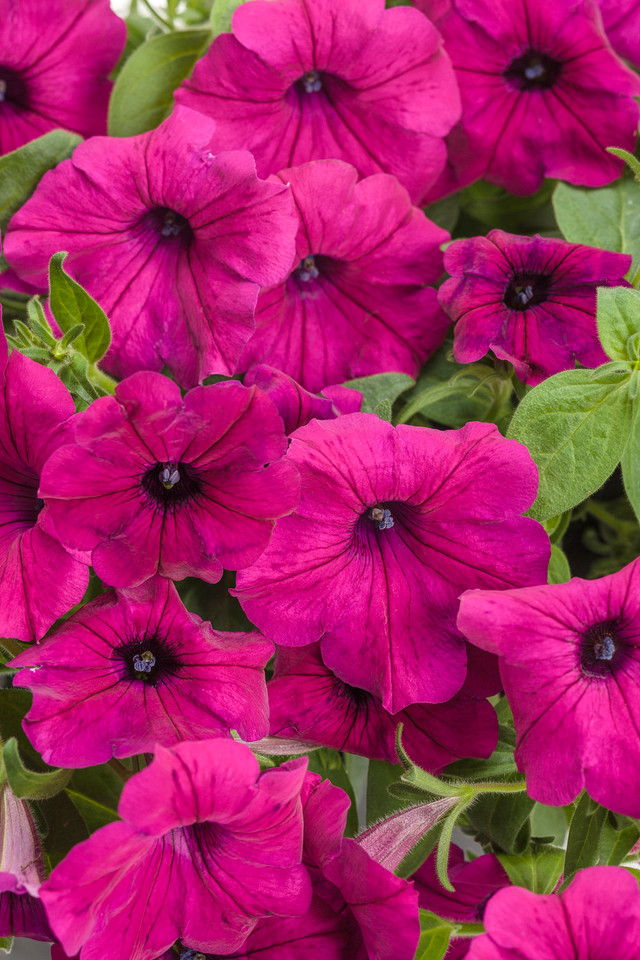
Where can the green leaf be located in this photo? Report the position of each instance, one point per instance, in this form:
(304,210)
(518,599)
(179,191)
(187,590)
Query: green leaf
(618,836)
(71,305)
(384,410)
(559,569)
(64,827)
(445,213)
(434,937)
(381,803)
(628,158)
(381,386)
(14,704)
(221,14)
(576,425)
(583,842)
(631,463)
(550,821)
(502,820)
(27,784)
(6,944)
(538,869)
(499,764)
(142,96)
(22,170)
(618,320)
(608,217)
(95,792)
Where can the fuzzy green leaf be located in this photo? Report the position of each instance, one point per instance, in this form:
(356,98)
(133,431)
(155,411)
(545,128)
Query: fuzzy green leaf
(434,937)
(26,784)
(71,305)
(618,319)
(379,387)
(608,217)
(222,12)
(538,869)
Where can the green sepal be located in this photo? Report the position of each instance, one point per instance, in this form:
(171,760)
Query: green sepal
(27,784)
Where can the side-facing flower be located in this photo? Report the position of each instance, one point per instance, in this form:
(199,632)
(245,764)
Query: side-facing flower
(356,301)
(54,69)
(570,664)
(309,702)
(39,581)
(596,918)
(155,483)
(532,300)
(207,845)
(134,668)
(345,79)
(393,524)
(543,94)
(172,240)
(296,405)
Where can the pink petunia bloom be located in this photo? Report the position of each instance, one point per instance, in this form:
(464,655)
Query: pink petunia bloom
(301,80)
(308,701)
(39,581)
(393,524)
(570,664)
(359,909)
(208,845)
(55,68)
(532,300)
(596,918)
(133,669)
(355,302)
(621,19)
(172,240)
(155,483)
(296,405)
(543,94)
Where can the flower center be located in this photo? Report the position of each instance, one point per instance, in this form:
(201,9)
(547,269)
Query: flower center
(168,485)
(147,659)
(13,89)
(168,223)
(599,650)
(527,290)
(307,269)
(533,71)
(382,517)
(311,81)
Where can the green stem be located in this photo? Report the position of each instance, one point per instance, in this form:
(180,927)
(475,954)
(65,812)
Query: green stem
(598,510)
(468,929)
(18,306)
(102,380)
(499,787)
(123,772)
(158,17)
(444,843)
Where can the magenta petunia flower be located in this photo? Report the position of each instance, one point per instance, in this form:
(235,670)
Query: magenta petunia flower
(621,19)
(208,845)
(532,300)
(39,581)
(158,484)
(570,664)
(296,405)
(22,915)
(172,240)
(55,68)
(355,302)
(543,94)
(393,524)
(345,80)
(308,701)
(133,669)
(596,918)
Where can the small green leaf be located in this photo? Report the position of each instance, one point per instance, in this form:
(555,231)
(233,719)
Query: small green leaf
(384,410)
(221,14)
(576,425)
(64,827)
(583,842)
(381,386)
(559,569)
(71,304)
(6,944)
(502,820)
(142,96)
(22,170)
(550,821)
(380,802)
(608,217)
(631,463)
(538,869)
(434,937)
(628,158)
(618,319)
(26,784)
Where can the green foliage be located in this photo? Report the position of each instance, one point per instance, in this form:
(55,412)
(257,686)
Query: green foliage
(221,13)
(27,784)
(142,96)
(502,821)
(380,387)
(559,570)
(95,792)
(380,802)
(22,170)
(72,308)
(6,944)
(619,322)
(631,463)
(538,869)
(608,217)
(63,827)
(597,837)
(575,425)
(434,937)
(330,765)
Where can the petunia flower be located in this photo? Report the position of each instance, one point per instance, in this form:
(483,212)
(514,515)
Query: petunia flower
(543,94)
(621,19)
(532,300)
(356,301)
(39,581)
(596,918)
(133,669)
(55,68)
(393,524)
(173,240)
(157,484)
(207,845)
(308,701)
(296,405)
(570,664)
(301,80)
